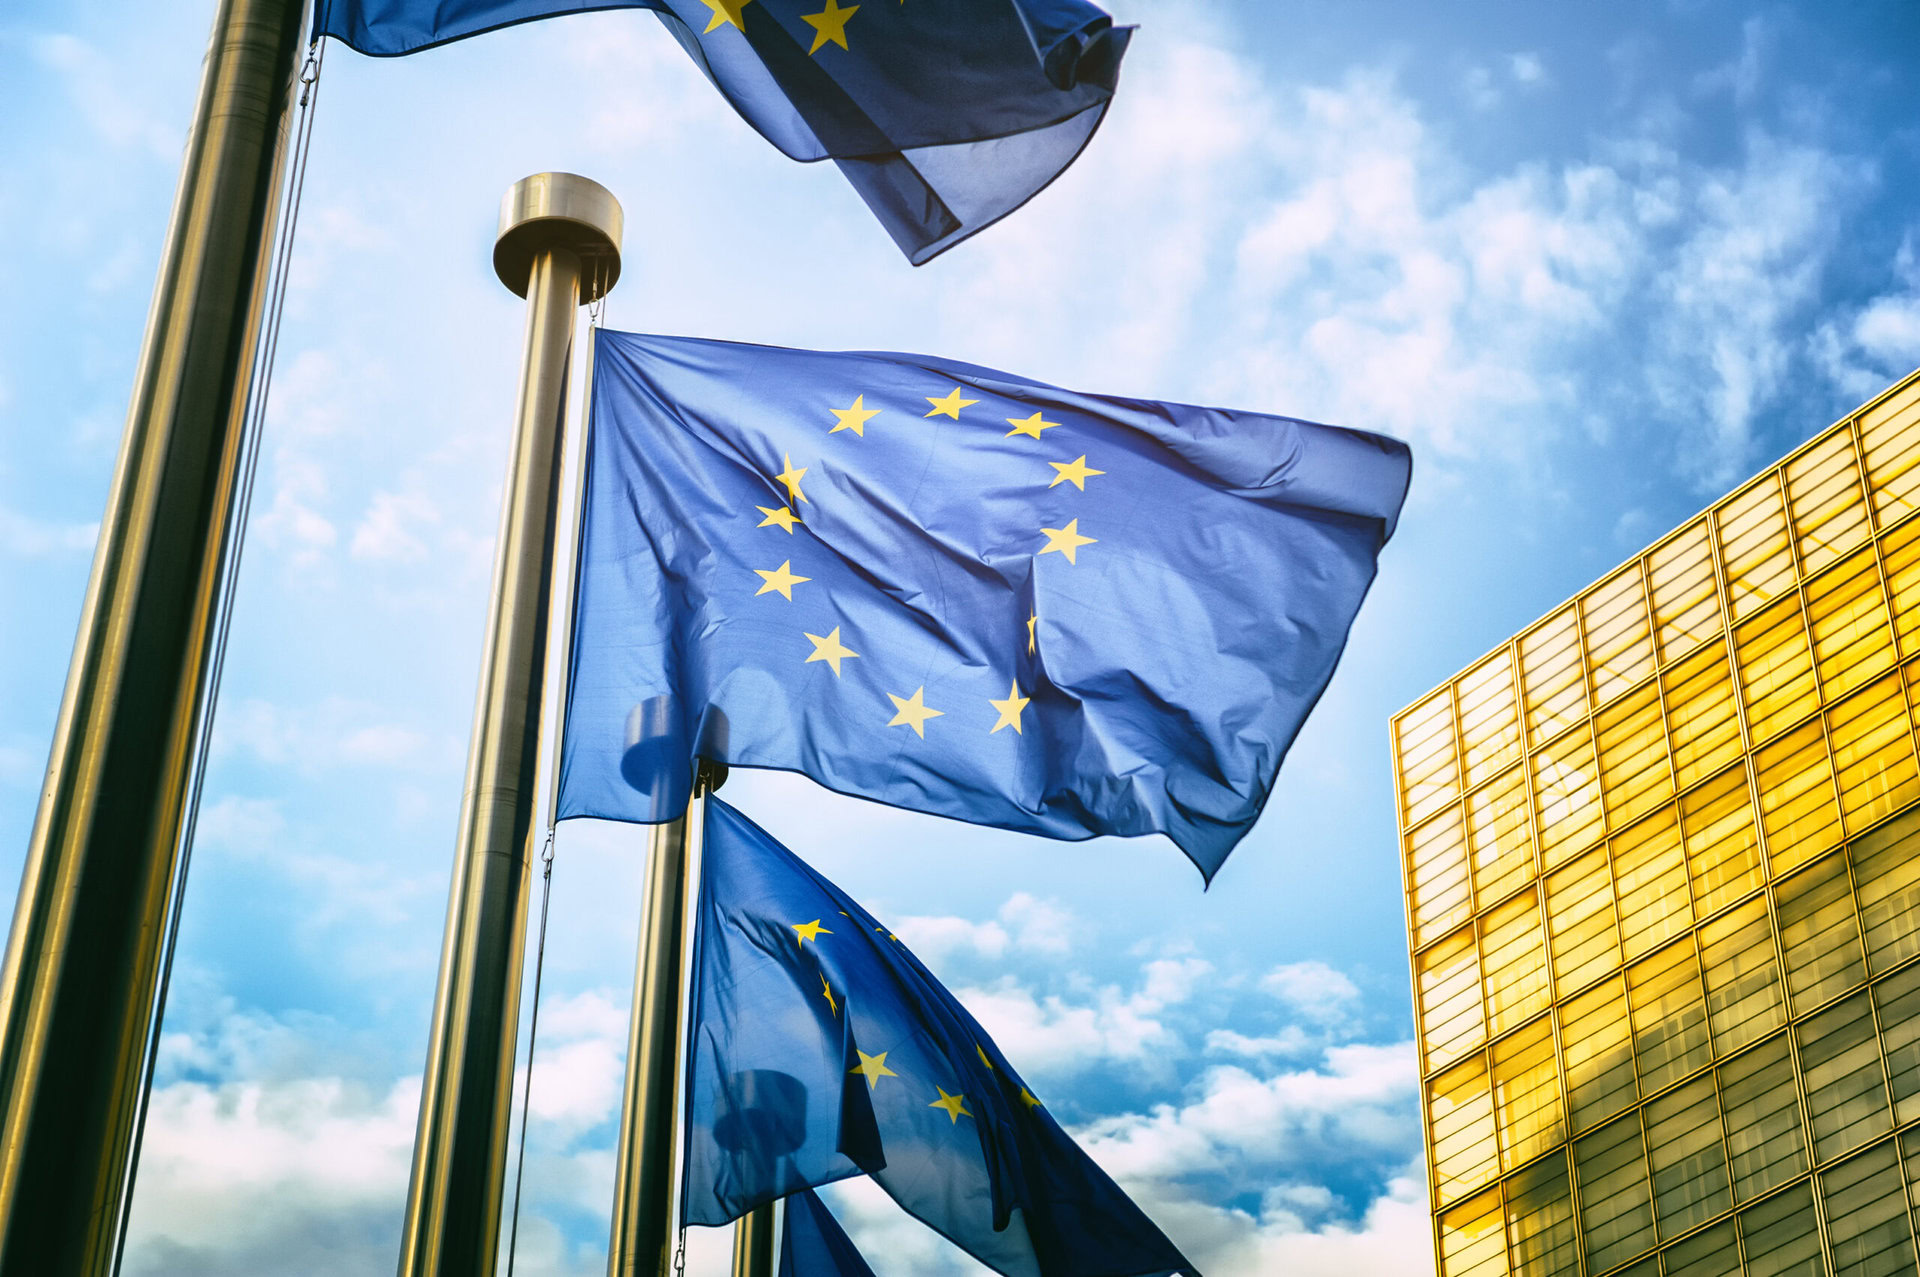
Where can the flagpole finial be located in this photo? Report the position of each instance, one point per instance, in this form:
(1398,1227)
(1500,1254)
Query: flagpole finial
(559,211)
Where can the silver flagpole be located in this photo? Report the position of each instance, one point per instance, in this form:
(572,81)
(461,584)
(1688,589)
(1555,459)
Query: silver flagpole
(559,246)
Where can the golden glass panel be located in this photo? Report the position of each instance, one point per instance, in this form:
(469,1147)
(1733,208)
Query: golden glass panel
(1872,739)
(1489,717)
(1829,511)
(1429,762)
(1650,882)
(1723,849)
(1798,809)
(1686,603)
(1616,1216)
(1540,1232)
(1701,717)
(1896,1000)
(1513,954)
(1840,1067)
(1852,642)
(1900,561)
(1867,1226)
(1551,675)
(1890,440)
(1501,838)
(1744,1002)
(1766,1145)
(1634,776)
(1819,934)
(1782,1236)
(1688,1160)
(1753,545)
(1886,880)
(1448,980)
(1580,922)
(1619,648)
(1460,1118)
(1526,1094)
(1437,876)
(1669,1012)
(1566,796)
(1471,1242)
(1712,1252)
(1598,1047)
(1776,669)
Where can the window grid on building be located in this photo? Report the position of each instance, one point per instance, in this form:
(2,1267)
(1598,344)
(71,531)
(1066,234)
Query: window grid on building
(1662,860)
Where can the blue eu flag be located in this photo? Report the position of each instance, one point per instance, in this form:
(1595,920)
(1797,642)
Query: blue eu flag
(822,1049)
(945,117)
(812,1243)
(957,591)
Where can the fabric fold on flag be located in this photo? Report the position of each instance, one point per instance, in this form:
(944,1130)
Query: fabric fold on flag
(953,590)
(944,118)
(821,1049)
(812,1243)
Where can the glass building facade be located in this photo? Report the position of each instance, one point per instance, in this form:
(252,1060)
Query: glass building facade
(1662,863)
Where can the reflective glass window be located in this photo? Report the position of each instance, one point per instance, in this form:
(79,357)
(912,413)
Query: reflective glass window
(1584,936)
(1829,509)
(1460,1118)
(1886,878)
(1501,837)
(1872,740)
(1489,717)
(1866,1204)
(1896,999)
(1753,545)
(1688,1160)
(1451,1021)
(1567,796)
(1650,881)
(1686,603)
(1616,1217)
(1890,445)
(1766,1146)
(1776,669)
(1552,677)
(1723,848)
(1540,1232)
(1669,1015)
(1852,642)
(1597,1040)
(1782,1237)
(1701,716)
(1798,810)
(1513,954)
(1634,775)
(1713,1252)
(1619,649)
(1900,560)
(1471,1239)
(1840,1065)
(1819,934)
(1526,1093)
(1437,876)
(1429,761)
(1742,977)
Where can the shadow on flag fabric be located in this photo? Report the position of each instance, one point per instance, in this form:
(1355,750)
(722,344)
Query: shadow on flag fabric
(945,117)
(822,1049)
(812,1243)
(956,591)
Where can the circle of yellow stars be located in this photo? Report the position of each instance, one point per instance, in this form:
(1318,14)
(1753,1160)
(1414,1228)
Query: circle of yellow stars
(909,711)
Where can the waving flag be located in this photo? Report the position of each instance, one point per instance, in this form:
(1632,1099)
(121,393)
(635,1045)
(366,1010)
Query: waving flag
(945,117)
(822,1049)
(812,1243)
(957,591)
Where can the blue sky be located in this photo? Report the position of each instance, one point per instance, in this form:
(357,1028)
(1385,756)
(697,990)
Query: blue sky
(1595,263)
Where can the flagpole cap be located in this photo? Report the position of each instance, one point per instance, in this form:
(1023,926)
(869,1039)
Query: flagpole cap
(550,211)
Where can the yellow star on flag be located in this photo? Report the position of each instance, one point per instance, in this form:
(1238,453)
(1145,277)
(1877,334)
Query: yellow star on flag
(1009,709)
(830,650)
(949,405)
(791,478)
(873,1068)
(1076,472)
(955,1105)
(826,991)
(854,418)
(829,24)
(1033,619)
(810,930)
(1027,1098)
(725,11)
(982,1052)
(1066,540)
(1030,427)
(781,579)
(912,712)
(778,516)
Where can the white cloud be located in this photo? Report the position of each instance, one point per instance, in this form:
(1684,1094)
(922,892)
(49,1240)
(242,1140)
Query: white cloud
(1865,350)
(23,537)
(1314,990)
(1051,1035)
(335,732)
(1024,924)
(392,525)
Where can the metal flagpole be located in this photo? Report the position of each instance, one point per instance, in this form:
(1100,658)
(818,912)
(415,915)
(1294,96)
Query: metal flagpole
(78,987)
(642,1232)
(559,246)
(753,1243)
